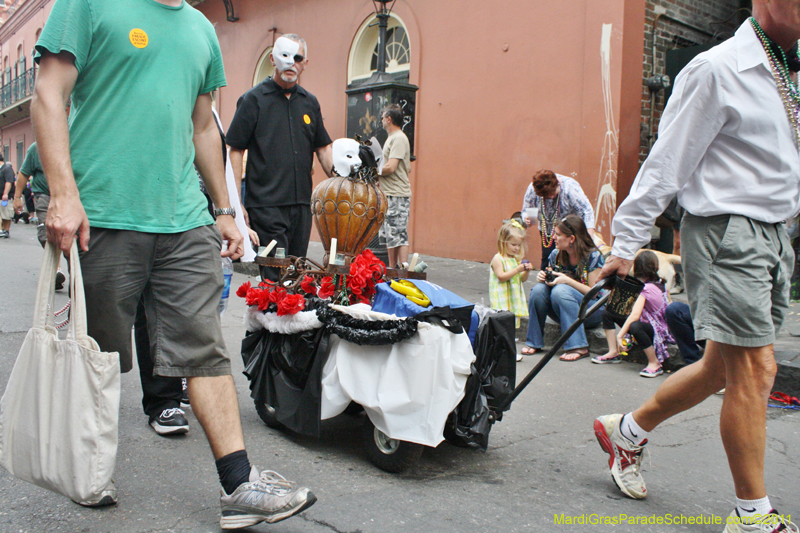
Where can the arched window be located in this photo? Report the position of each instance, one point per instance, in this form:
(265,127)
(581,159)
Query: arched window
(363,59)
(264,67)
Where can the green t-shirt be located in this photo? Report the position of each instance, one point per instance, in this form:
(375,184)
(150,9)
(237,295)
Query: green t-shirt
(32,166)
(141,66)
(397,183)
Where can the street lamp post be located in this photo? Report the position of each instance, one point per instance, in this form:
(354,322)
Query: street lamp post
(382,12)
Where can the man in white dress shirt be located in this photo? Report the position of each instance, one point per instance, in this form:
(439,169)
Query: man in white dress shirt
(728,148)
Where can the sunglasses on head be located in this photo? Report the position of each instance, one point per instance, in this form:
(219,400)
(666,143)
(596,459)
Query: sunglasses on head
(567,224)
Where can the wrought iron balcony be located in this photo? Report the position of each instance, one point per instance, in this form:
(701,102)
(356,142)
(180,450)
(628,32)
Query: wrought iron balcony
(19,88)
(15,98)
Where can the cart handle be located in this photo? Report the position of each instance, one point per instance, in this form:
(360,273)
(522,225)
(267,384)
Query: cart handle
(605,283)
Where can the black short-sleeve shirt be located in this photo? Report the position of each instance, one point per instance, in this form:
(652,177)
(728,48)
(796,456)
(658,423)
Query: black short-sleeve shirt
(281,135)
(7,176)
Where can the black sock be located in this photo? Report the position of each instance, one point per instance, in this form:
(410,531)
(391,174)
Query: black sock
(233,470)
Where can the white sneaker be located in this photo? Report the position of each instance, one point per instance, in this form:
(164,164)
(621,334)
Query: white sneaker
(771,523)
(267,497)
(625,457)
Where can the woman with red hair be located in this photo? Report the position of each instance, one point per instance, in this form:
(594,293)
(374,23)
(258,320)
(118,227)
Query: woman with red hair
(555,196)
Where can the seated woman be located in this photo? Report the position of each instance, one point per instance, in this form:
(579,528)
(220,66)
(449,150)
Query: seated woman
(575,265)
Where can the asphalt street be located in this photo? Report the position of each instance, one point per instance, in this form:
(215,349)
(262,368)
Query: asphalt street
(543,467)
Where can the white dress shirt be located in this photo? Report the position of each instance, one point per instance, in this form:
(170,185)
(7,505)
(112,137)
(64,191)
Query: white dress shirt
(725,146)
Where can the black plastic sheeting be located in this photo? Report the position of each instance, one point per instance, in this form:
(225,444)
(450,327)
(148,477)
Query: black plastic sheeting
(285,370)
(493,378)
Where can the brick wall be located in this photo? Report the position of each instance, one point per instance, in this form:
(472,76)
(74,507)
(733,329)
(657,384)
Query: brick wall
(682,23)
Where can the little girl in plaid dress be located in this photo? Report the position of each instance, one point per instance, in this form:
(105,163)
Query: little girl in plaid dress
(508,271)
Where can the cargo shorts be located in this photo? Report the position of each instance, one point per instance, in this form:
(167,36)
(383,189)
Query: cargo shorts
(737,273)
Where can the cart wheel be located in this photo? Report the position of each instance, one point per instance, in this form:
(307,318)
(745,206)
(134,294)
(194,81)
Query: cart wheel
(390,455)
(267,414)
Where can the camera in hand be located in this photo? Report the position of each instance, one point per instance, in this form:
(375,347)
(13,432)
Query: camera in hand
(549,277)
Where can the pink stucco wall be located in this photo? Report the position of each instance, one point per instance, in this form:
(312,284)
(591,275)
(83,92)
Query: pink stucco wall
(487,117)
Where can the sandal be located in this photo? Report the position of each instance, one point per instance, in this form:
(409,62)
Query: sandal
(571,357)
(603,360)
(645,373)
(527,350)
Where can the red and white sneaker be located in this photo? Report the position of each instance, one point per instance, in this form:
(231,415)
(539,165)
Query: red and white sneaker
(625,457)
(771,523)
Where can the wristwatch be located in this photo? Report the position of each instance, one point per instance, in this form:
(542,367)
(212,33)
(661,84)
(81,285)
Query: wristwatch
(225,211)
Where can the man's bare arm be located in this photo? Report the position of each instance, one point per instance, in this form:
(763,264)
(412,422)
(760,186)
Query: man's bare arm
(325,156)
(208,159)
(65,214)
(22,182)
(390,166)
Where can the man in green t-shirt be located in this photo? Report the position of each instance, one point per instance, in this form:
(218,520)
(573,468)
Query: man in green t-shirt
(395,185)
(140,75)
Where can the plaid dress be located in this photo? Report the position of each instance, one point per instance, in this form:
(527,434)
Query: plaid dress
(507,295)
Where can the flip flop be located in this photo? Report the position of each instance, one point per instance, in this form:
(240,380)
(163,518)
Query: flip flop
(527,350)
(580,356)
(607,360)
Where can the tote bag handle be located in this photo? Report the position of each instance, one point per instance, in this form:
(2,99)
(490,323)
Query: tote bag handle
(45,292)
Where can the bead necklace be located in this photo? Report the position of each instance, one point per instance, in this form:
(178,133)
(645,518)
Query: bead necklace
(549,238)
(786,86)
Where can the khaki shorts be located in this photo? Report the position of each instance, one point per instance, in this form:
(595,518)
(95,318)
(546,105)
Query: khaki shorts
(7,211)
(737,272)
(40,205)
(179,278)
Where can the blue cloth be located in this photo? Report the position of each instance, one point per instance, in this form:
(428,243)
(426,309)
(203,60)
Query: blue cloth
(679,322)
(391,302)
(562,303)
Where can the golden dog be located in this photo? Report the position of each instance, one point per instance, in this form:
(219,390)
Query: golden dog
(665,263)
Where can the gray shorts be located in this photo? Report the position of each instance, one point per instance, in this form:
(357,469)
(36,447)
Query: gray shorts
(737,272)
(40,204)
(178,276)
(395,227)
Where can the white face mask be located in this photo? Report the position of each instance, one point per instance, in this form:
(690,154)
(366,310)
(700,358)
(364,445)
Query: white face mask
(345,156)
(283,53)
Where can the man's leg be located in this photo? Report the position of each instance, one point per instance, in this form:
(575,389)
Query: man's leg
(161,396)
(216,406)
(685,388)
(299,230)
(183,296)
(750,374)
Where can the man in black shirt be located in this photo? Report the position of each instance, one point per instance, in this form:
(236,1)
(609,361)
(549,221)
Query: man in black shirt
(280,124)
(7,179)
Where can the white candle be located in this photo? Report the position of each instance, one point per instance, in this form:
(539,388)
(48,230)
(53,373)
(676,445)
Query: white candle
(414,259)
(269,248)
(332,254)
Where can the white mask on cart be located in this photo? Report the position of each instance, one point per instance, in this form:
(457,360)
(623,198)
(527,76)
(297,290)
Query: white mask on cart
(345,156)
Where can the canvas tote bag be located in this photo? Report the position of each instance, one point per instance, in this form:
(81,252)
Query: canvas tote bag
(59,414)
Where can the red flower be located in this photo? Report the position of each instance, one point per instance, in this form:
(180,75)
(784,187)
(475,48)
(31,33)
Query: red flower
(241,292)
(267,284)
(277,295)
(252,296)
(263,299)
(307,285)
(326,288)
(291,304)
